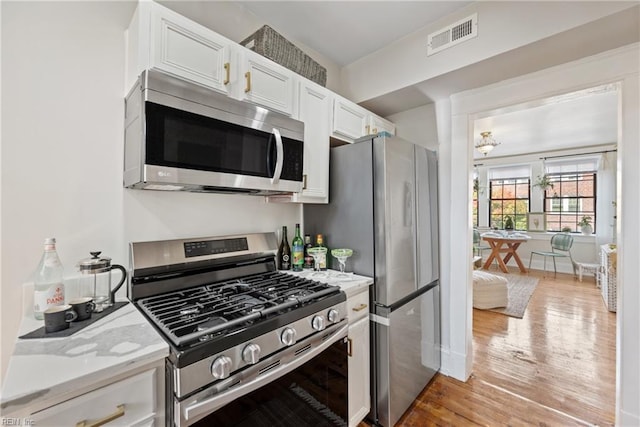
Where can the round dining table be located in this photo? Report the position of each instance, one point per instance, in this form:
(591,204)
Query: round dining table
(507,245)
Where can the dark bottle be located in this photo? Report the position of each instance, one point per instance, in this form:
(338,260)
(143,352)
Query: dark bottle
(284,252)
(308,259)
(322,260)
(297,250)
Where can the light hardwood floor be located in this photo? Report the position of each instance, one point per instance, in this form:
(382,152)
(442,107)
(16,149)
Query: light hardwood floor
(554,367)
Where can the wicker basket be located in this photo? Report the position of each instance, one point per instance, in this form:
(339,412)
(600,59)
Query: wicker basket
(269,43)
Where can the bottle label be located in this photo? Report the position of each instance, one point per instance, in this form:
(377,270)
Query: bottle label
(286,265)
(322,262)
(43,299)
(298,257)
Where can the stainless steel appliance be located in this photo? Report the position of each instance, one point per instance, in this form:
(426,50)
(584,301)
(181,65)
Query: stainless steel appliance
(384,205)
(182,136)
(249,345)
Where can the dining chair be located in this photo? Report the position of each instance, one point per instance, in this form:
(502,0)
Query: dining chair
(478,247)
(560,248)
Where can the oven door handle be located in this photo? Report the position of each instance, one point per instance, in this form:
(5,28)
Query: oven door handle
(193,412)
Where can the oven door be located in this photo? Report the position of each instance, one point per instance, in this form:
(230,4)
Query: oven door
(303,385)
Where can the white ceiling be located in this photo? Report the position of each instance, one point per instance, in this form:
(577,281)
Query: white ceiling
(353,29)
(350,30)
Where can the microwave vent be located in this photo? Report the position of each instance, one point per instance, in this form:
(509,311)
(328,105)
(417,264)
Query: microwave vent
(456,33)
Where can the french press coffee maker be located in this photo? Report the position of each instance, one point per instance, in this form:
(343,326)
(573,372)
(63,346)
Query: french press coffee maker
(98,283)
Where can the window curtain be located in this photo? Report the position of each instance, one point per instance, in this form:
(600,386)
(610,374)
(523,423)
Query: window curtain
(510,172)
(573,164)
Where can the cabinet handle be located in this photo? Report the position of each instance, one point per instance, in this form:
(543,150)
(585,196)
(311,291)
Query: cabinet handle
(375,131)
(247,76)
(227,68)
(349,347)
(367,127)
(304,181)
(102,421)
(360,307)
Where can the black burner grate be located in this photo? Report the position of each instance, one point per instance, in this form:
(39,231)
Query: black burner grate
(203,312)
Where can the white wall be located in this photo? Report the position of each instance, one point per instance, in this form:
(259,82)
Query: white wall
(62,151)
(417,125)
(620,65)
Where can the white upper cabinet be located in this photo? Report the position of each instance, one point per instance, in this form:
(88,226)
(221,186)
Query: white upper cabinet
(266,83)
(350,121)
(315,109)
(378,124)
(162,39)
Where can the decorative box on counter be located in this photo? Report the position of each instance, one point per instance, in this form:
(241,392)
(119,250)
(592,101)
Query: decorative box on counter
(269,43)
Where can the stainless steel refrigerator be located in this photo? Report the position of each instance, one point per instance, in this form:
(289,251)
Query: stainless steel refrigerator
(384,206)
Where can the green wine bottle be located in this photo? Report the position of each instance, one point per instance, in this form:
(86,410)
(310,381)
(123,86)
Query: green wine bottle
(297,250)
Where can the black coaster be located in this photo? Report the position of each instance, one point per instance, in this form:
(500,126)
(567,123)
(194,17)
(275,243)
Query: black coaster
(74,326)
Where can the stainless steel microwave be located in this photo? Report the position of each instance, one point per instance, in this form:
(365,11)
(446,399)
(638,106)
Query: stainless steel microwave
(185,137)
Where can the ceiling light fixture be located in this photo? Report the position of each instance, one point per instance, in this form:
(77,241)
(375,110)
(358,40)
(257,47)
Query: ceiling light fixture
(486,144)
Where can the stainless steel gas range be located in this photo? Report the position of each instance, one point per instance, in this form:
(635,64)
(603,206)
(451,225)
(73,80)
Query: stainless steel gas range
(249,345)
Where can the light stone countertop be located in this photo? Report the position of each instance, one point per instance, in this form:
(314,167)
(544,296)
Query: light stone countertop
(352,285)
(41,369)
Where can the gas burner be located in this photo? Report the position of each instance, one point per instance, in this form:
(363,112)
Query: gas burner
(297,294)
(210,323)
(189,313)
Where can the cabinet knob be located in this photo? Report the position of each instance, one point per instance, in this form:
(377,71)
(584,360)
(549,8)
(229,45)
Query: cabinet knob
(102,421)
(227,68)
(247,76)
(288,336)
(221,367)
(360,307)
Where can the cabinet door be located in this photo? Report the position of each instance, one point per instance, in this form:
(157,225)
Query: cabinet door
(314,111)
(349,120)
(125,403)
(359,394)
(266,83)
(186,49)
(378,124)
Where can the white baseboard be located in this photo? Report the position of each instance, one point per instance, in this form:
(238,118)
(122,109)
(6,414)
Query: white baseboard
(454,365)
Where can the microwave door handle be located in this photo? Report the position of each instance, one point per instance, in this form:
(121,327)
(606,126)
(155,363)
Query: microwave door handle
(279,157)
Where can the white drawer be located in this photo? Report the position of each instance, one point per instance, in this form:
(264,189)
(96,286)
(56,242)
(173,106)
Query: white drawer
(126,403)
(358,306)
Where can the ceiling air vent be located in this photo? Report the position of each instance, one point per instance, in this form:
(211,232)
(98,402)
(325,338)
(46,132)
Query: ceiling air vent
(455,33)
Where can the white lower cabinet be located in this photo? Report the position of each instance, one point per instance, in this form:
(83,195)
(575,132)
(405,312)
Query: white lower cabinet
(359,354)
(129,402)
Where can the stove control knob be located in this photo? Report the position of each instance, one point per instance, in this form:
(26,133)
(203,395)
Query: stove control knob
(333,315)
(288,336)
(317,323)
(221,367)
(251,354)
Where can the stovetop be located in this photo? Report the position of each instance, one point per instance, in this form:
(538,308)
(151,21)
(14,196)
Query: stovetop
(211,294)
(198,314)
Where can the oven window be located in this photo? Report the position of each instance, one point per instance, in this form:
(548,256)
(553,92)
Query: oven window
(181,139)
(315,394)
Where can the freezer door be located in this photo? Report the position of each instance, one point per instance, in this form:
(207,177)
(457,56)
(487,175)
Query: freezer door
(408,354)
(395,220)
(427,216)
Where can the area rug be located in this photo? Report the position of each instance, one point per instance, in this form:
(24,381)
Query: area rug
(520,289)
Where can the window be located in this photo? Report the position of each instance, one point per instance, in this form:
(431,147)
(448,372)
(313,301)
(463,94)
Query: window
(475,201)
(509,198)
(509,195)
(572,196)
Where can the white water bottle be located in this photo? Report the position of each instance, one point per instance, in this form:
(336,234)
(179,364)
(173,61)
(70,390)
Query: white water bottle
(47,281)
